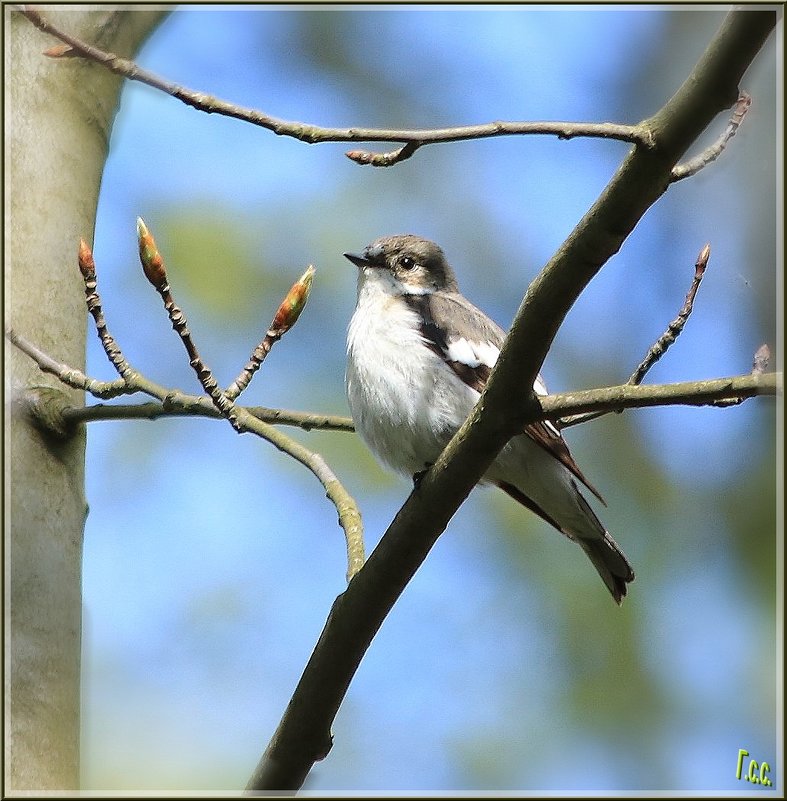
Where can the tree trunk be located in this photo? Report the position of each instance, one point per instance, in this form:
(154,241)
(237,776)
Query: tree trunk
(59,115)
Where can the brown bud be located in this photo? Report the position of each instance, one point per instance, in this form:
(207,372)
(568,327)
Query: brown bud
(702,260)
(359,156)
(152,263)
(87,266)
(292,305)
(60,51)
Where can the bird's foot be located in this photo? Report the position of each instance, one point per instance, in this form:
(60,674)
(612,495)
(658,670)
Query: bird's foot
(419,476)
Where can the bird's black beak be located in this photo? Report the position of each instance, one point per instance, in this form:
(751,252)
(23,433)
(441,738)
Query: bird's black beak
(358,261)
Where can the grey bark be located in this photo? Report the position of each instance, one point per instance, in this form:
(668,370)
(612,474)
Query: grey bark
(59,116)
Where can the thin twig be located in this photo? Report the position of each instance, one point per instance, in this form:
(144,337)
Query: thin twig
(660,346)
(255,362)
(87,268)
(412,139)
(711,153)
(156,273)
(686,393)
(346,508)
(200,406)
(69,376)
(674,329)
(285,318)
(313,134)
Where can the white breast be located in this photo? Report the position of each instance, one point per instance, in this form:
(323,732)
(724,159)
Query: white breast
(405,402)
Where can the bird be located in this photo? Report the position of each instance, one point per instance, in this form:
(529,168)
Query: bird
(419,355)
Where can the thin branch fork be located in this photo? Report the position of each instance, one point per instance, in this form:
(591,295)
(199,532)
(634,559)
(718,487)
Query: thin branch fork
(241,420)
(51,412)
(662,344)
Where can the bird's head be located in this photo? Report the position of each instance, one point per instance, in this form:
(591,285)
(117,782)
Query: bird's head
(405,265)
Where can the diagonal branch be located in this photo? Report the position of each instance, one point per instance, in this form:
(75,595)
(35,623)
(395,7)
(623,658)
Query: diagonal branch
(303,735)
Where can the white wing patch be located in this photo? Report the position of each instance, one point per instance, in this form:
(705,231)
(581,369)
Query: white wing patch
(473,354)
(540,388)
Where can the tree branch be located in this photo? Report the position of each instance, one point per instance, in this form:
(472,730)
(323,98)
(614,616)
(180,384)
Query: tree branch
(303,735)
(685,393)
(200,406)
(604,399)
(313,134)
(288,312)
(412,139)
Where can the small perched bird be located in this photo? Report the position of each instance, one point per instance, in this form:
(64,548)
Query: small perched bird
(418,357)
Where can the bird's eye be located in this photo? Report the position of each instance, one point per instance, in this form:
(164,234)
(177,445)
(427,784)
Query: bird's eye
(407,263)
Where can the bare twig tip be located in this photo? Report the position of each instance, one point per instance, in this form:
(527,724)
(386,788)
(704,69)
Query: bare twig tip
(762,358)
(741,107)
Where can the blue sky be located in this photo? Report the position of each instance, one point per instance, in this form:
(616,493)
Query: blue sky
(211,561)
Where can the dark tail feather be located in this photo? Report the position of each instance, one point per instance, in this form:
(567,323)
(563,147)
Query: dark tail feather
(605,554)
(611,564)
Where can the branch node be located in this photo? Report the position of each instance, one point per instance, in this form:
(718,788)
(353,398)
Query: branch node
(44,407)
(383,159)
